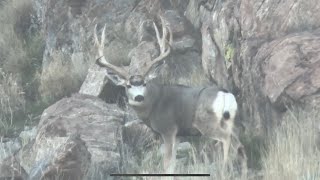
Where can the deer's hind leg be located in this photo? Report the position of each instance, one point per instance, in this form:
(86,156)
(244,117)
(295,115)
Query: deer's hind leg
(241,152)
(216,133)
(224,135)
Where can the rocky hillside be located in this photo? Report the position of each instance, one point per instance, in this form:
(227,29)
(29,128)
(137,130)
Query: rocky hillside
(270,49)
(266,52)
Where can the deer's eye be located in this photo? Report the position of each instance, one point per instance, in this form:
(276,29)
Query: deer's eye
(128,86)
(144,84)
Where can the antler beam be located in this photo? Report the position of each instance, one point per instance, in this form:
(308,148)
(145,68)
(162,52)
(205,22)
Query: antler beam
(165,46)
(102,60)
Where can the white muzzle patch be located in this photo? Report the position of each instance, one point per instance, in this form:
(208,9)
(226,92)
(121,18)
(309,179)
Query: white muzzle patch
(135,91)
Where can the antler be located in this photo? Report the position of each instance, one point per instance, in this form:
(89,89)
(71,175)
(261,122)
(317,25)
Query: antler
(165,46)
(102,60)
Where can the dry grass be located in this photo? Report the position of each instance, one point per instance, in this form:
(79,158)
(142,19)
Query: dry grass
(11,100)
(60,78)
(292,150)
(21,52)
(189,161)
(21,48)
(13,54)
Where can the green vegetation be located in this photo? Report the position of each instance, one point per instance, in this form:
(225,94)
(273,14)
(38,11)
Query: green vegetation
(229,54)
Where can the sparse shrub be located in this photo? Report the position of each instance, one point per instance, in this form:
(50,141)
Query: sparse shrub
(30,81)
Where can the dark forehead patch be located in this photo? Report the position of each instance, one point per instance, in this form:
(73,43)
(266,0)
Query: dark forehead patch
(224,90)
(136,80)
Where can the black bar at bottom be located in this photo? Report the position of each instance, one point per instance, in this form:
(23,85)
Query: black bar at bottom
(159,174)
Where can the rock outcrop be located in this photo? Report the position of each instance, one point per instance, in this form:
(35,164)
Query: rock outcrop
(234,44)
(56,148)
(276,60)
(68,159)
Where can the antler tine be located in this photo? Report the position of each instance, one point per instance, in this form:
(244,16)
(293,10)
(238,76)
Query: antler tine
(102,60)
(103,36)
(96,41)
(164,36)
(170,37)
(100,45)
(157,32)
(165,46)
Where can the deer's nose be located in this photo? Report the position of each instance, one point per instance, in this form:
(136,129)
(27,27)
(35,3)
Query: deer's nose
(139,98)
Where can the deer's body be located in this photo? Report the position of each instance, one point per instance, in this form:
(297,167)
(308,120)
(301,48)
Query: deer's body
(178,106)
(173,110)
(168,106)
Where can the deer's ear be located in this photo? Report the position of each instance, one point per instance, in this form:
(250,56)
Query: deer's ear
(116,79)
(154,72)
(151,75)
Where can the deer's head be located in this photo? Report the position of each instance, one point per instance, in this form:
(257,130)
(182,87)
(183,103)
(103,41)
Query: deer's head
(135,84)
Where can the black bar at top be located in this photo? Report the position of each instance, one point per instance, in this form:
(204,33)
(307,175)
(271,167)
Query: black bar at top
(159,174)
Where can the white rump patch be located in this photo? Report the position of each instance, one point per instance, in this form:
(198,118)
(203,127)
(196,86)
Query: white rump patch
(230,104)
(225,102)
(218,105)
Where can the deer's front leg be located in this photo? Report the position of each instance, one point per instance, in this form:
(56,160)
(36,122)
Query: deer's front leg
(169,152)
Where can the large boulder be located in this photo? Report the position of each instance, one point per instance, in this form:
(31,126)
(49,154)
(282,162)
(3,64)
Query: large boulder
(96,149)
(291,66)
(67,158)
(277,60)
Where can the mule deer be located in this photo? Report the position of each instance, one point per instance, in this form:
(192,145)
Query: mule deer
(175,109)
